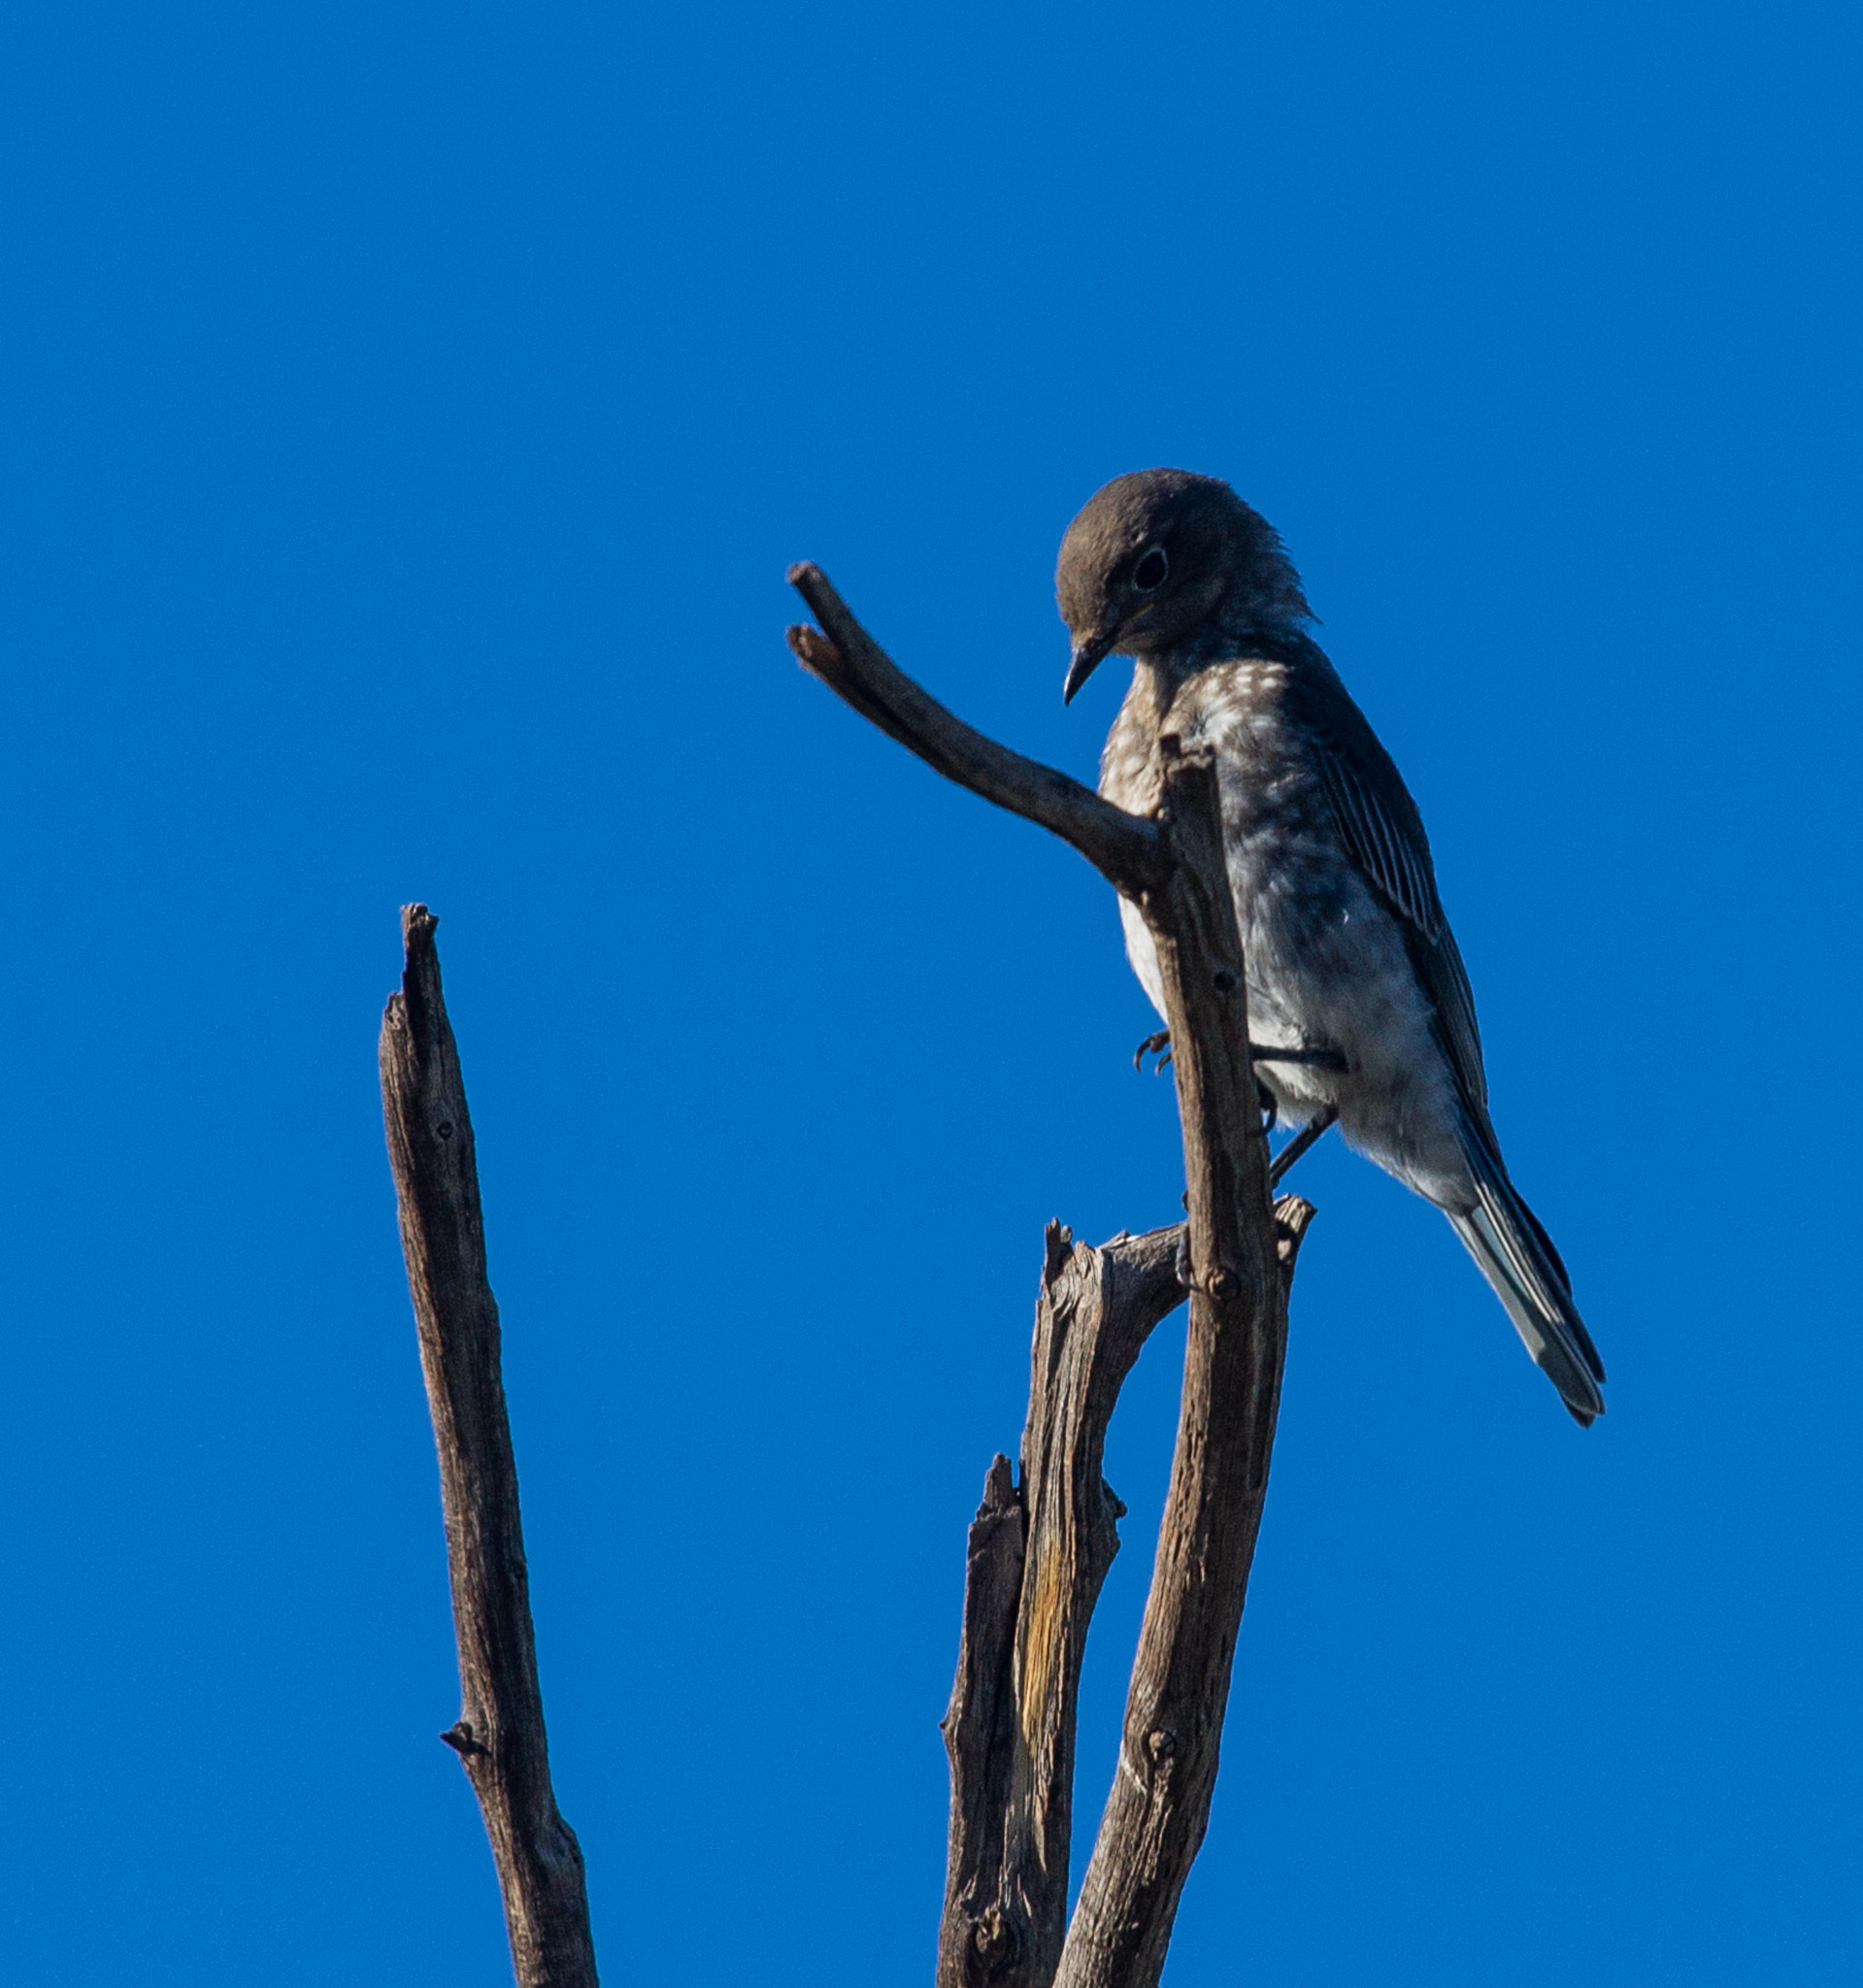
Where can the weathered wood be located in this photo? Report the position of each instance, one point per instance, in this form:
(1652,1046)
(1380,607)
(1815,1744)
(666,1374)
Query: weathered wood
(1155,1815)
(1038,1555)
(978,1938)
(1125,849)
(1098,1307)
(1240,1263)
(499,1737)
(1037,1558)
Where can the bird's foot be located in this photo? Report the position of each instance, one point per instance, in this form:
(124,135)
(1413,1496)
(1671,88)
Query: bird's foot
(1158,1045)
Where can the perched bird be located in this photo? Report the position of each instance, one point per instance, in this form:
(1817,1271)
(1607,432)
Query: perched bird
(1354,973)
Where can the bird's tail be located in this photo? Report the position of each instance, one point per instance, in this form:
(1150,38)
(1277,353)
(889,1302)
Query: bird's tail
(1517,1258)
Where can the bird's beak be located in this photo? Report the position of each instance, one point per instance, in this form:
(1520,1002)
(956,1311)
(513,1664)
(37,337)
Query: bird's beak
(1089,652)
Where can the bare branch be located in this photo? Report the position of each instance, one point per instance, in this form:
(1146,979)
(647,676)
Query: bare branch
(979,1939)
(500,1736)
(1159,1806)
(1125,849)
(1027,1602)
(1240,1264)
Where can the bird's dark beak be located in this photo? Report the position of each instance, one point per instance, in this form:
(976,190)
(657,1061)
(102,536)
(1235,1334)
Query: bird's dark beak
(1089,652)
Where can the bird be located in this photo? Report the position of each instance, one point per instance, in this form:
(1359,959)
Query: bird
(1359,1006)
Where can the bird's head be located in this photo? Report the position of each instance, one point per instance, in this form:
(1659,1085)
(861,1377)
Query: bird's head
(1160,560)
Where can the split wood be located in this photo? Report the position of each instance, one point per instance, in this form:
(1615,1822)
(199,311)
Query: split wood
(1039,1551)
(499,1737)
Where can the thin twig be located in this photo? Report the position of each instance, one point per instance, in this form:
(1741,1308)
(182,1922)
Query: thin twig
(500,1736)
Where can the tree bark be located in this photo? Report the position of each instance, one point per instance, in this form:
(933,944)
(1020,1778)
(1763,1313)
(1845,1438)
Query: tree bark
(1171,865)
(1154,1818)
(1038,1555)
(499,1737)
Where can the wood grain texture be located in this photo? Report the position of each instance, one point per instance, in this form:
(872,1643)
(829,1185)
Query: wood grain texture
(1038,1555)
(1012,1741)
(1159,1808)
(982,1936)
(499,1737)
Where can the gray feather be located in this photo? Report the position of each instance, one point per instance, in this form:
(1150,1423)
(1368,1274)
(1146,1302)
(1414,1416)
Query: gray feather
(1505,1240)
(1383,832)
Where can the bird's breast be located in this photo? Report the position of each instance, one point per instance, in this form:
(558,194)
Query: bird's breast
(1326,963)
(1238,710)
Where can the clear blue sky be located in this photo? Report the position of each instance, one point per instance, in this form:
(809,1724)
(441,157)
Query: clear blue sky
(407,415)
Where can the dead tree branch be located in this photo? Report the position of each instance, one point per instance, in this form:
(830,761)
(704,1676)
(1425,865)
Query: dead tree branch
(1038,1559)
(500,1736)
(1172,868)
(1127,850)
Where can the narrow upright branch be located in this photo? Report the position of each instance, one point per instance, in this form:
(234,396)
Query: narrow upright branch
(500,1735)
(984,1931)
(1037,1558)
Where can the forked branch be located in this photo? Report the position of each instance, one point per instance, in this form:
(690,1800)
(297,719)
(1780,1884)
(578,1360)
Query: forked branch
(1039,1554)
(1171,865)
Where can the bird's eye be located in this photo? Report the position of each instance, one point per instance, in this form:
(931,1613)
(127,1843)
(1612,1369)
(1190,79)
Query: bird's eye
(1147,575)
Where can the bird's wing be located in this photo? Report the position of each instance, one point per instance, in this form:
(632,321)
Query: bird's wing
(1383,835)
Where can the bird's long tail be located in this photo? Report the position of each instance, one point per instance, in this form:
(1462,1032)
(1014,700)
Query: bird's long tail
(1517,1258)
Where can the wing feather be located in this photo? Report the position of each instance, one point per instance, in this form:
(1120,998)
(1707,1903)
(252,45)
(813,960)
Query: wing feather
(1382,833)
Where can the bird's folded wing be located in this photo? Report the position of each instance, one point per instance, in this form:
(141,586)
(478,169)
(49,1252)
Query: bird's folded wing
(1383,835)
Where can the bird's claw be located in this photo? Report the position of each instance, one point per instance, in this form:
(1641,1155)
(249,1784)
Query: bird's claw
(1160,1041)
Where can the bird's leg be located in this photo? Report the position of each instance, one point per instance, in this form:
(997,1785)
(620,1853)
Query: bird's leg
(1309,1135)
(1304,1141)
(1322,1059)
(1159,1042)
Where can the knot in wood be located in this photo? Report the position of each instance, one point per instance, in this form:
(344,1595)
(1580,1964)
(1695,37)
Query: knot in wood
(995,1946)
(1160,1743)
(1224,1283)
(444,1130)
(1225,981)
(1170,746)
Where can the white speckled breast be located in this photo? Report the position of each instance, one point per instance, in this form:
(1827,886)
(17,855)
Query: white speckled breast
(1327,966)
